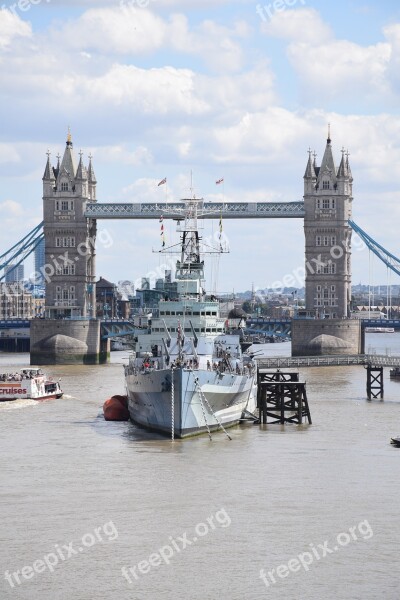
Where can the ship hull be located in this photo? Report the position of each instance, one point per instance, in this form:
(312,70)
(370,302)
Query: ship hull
(192,400)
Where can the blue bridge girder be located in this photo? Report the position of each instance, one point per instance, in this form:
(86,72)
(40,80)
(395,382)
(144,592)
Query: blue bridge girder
(389,259)
(269,327)
(117,328)
(21,250)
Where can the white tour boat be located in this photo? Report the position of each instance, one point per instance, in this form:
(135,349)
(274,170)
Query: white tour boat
(187,375)
(29,383)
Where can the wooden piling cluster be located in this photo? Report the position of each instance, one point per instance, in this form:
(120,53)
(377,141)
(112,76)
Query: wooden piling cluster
(374,381)
(282,398)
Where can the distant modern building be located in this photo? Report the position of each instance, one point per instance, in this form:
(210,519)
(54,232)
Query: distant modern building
(14,273)
(165,289)
(39,263)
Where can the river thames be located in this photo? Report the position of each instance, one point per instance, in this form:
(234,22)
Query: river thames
(96,510)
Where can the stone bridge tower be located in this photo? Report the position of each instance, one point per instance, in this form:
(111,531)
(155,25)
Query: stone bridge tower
(328,207)
(69,333)
(70,268)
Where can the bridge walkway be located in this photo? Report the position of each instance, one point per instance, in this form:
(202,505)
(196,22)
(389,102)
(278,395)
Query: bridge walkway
(376,360)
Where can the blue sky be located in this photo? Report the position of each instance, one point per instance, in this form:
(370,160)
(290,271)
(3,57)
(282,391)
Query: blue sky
(161,88)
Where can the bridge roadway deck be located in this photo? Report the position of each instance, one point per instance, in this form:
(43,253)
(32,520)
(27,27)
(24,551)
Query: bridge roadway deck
(345,360)
(206,210)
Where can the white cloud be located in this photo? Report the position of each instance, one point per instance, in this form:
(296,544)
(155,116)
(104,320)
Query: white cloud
(120,30)
(212,42)
(301,25)
(10,208)
(8,154)
(152,4)
(145,189)
(392,34)
(120,154)
(159,91)
(11,27)
(333,68)
(264,137)
(329,68)
(130,30)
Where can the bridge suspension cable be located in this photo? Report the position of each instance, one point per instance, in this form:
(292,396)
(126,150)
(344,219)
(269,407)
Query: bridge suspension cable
(389,259)
(21,250)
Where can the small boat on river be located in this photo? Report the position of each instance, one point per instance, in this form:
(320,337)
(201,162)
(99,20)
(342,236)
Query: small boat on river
(395,373)
(30,383)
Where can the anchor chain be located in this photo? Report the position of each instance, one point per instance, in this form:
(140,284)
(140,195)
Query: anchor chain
(172,405)
(204,416)
(202,395)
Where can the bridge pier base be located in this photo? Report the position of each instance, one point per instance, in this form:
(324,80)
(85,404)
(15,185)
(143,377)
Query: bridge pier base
(68,342)
(321,337)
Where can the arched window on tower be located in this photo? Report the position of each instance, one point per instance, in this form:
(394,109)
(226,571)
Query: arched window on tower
(64,186)
(325,185)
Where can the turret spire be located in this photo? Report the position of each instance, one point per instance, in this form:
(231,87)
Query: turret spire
(342,171)
(48,172)
(328,168)
(310,171)
(91,175)
(68,164)
(348,166)
(81,173)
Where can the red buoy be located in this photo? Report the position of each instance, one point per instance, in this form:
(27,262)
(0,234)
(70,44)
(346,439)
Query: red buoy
(116,409)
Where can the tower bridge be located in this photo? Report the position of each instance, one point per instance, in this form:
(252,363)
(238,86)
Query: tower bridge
(71,210)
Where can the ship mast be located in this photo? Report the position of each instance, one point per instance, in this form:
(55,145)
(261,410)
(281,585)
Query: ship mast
(190,265)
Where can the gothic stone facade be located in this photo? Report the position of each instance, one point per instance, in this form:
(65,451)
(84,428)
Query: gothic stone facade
(328,206)
(69,269)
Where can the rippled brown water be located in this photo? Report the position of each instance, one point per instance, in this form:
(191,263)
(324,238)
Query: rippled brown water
(271,494)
